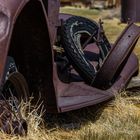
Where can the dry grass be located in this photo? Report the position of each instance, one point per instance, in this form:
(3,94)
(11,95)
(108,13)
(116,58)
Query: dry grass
(117,120)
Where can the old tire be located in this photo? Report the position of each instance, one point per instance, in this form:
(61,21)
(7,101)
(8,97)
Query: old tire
(17,86)
(14,83)
(74,31)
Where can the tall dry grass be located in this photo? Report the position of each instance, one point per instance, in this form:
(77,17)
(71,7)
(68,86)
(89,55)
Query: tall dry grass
(116,120)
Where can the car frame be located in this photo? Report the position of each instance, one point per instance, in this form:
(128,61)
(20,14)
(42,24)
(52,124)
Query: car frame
(28,31)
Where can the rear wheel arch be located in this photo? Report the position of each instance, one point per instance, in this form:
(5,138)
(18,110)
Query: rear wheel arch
(30,47)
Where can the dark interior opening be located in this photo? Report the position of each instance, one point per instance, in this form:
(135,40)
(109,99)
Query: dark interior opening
(31,49)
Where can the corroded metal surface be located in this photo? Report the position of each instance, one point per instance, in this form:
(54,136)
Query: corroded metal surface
(117,57)
(27,33)
(77,95)
(22,22)
(12,33)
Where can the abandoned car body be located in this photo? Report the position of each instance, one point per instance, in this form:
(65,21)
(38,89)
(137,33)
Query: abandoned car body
(29,30)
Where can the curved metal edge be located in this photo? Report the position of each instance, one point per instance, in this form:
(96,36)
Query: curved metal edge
(12,10)
(117,57)
(89,96)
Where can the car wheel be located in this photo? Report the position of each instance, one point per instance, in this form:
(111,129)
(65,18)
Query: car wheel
(75,32)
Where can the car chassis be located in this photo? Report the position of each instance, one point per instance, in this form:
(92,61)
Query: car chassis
(28,31)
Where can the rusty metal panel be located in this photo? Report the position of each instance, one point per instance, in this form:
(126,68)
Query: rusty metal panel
(16,22)
(90,95)
(117,57)
(25,32)
(130,10)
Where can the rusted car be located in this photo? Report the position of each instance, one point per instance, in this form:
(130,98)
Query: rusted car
(65,61)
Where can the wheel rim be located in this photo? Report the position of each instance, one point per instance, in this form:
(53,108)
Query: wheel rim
(15,88)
